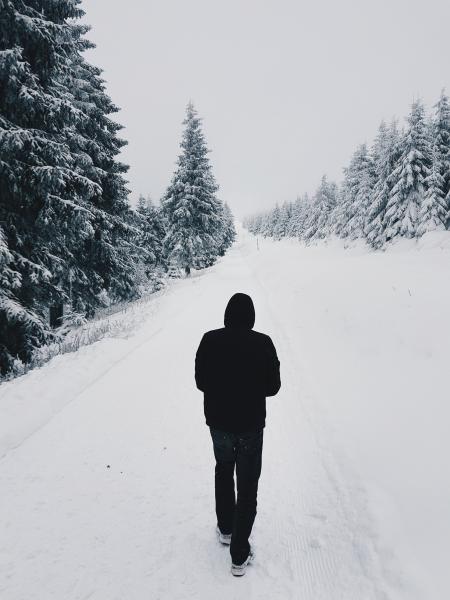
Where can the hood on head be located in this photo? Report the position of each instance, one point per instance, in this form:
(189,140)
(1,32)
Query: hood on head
(240,312)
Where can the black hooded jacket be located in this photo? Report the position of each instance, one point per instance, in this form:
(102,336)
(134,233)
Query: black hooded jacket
(237,368)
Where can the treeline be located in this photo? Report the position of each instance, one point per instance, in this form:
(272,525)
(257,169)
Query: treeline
(400,187)
(70,242)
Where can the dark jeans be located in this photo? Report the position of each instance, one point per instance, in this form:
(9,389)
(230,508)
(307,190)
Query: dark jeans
(243,451)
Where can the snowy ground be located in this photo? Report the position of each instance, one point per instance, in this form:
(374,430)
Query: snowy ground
(106,473)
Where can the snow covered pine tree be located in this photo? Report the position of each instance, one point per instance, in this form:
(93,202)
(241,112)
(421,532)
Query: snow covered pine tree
(435,209)
(199,227)
(152,230)
(35,166)
(356,192)
(319,223)
(401,188)
(63,200)
(386,153)
(409,177)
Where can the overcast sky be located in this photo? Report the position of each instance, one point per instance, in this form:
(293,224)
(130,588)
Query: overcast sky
(286,88)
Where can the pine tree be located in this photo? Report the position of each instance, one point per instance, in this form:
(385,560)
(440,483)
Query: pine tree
(190,203)
(38,178)
(109,257)
(282,221)
(357,188)
(433,211)
(268,221)
(296,225)
(319,224)
(272,222)
(227,231)
(409,178)
(441,149)
(401,188)
(386,155)
(150,239)
(256,223)
(63,200)
(20,329)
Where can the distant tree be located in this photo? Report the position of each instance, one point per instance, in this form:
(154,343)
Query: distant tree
(409,178)
(151,233)
(227,231)
(441,149)
(270,224)
(400,188)
(319,224)
(282,222)
(359,179)
(190,204)
(299,213)
(433,211)
(256,223)
(385,154)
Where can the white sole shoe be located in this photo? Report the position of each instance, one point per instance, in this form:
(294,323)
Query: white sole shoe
(224,538)
(239,570)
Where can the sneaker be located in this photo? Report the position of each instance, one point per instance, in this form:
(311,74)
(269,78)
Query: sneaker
(224,538)
(239,570)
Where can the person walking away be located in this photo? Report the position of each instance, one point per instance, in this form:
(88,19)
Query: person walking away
(236,368)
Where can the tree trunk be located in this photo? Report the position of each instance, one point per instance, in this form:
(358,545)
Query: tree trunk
(56,314)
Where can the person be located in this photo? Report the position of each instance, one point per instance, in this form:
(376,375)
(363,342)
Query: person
(236,368)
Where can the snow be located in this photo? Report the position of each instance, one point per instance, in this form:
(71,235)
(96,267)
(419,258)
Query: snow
(107,466)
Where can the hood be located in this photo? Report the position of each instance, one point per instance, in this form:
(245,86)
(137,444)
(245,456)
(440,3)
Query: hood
(240,312)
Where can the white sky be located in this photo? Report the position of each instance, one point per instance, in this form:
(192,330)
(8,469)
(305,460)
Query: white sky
(286,88)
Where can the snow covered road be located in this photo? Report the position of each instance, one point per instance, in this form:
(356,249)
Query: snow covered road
(111,496)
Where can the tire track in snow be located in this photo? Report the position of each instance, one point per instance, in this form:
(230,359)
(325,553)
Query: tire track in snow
(293,535)
(282,528)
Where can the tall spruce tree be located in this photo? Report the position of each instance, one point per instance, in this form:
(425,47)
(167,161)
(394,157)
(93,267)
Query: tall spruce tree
(227,232)
(296,226)
(63,200)
(319,224)
(433,210)
(108,257)
(409,178)
(386,154)
(357,188)
(20,329)
(36,165)
(190,204)
(441,149)
(151,237)
(280,226)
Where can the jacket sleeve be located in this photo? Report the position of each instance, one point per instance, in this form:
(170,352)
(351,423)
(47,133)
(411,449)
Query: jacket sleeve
(273,381)
(200,370)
